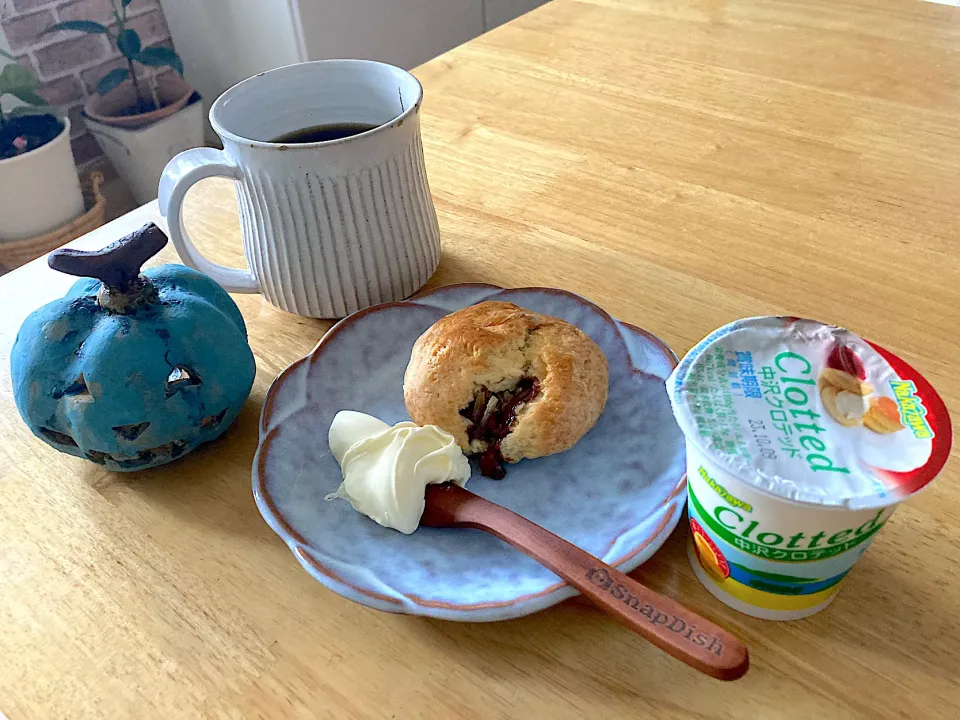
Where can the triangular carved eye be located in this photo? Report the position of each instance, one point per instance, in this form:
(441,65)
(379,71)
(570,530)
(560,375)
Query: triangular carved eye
(77,387)
(131,432)
(57,437)
(213,420)
(181,377)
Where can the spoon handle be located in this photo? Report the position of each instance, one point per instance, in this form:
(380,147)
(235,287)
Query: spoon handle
(687,636)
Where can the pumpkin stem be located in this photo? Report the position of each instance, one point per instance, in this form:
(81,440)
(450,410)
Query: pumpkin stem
(118,264)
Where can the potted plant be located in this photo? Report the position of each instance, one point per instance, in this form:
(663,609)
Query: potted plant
(140,121)
(121,98)
(39,187)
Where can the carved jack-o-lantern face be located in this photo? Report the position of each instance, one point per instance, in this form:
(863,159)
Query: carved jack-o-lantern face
(131,385)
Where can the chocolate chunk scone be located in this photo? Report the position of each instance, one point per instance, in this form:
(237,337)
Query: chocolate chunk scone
(506,382)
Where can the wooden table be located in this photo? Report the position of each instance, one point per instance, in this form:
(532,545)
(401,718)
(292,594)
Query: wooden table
(682,164)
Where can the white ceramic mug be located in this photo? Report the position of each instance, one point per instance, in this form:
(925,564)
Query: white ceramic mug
(329,227)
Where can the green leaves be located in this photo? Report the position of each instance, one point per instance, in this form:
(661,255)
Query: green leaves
(128,42)
(84,26)
(111,80)
(17,79)
(29,97)
(160,57)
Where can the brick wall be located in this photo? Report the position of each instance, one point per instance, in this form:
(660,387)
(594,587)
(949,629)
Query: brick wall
(70,64)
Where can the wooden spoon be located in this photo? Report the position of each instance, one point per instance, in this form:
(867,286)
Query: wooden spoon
(667,624)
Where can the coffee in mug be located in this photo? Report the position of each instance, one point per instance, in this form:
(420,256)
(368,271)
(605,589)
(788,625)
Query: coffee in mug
(323,133)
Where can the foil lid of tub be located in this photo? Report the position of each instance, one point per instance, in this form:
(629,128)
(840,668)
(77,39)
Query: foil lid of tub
(811,413)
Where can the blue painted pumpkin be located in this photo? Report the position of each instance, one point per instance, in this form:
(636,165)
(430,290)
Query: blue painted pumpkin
(132,370)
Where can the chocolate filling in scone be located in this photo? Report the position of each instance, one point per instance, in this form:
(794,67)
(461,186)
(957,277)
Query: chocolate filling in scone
(490,419)
(506,382)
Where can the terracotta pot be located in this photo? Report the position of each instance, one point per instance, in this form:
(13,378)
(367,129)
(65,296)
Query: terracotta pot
(174,93)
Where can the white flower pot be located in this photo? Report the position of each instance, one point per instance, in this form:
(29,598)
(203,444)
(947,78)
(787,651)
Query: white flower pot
(39,190)
(140,155)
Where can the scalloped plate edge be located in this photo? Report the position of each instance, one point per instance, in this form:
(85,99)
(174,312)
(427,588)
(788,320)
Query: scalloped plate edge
(397,603)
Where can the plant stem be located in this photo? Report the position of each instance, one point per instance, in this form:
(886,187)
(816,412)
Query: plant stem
(3,119)
(153,89)
(141,103)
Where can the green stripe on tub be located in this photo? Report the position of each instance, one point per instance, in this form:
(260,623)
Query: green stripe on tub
(773,576)
(770,552)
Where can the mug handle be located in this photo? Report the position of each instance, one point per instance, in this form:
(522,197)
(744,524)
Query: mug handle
(178,177)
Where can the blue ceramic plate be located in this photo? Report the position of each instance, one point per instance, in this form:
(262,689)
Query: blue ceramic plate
(617,494)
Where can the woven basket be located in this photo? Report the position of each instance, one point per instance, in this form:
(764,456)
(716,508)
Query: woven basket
(15,253)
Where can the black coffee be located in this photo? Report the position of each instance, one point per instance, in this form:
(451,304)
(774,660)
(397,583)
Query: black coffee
(323,133)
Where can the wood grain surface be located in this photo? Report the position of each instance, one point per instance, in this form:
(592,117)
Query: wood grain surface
(680,163)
